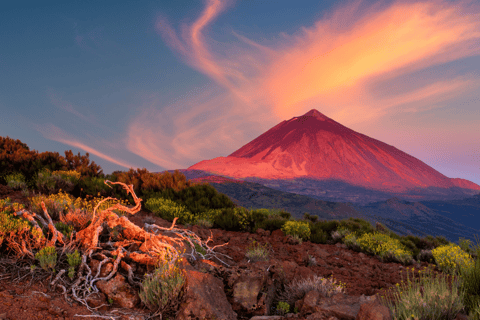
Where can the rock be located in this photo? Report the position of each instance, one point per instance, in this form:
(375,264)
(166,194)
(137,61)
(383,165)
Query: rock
(245,291)
(309,302)
(204,298)
(373,311)
(263,233)
(340,306)
(119,291)
(106,268)
(97,299)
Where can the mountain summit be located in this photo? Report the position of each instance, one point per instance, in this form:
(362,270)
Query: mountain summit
(315,146)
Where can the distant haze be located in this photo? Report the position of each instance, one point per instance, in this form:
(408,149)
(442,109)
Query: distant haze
(165,85)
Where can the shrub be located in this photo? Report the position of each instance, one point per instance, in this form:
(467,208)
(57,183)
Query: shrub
(310,217)
(64,228)
(273,222)
(9,222)
(228,220)
(44,182)
(163,287)
(285,215)
(73,260)
(299,228)
(256,252)
(198,248)
(47,257)
(380,244)
(169,210)
(283,308)
(59,204)
(16,181)
(319,237)
(96,186)
(451,258)
(297,289)
(204,223)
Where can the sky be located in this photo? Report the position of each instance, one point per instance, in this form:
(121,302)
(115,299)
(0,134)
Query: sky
(163,85)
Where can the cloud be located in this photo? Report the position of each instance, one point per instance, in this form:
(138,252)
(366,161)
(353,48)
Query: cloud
(54,133)
(332,66)
(57,101)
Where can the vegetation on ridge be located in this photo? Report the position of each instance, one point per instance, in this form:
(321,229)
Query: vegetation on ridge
(87,197)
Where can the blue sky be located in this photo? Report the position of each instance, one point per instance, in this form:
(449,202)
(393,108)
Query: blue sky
(163,85)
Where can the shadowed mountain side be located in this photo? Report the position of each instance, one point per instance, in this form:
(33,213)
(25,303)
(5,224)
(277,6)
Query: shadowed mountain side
(402,217)
(254,195)
(334,190)
(465,211)
(340,191)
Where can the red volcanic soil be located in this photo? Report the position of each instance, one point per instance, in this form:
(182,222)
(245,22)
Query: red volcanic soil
(314,146)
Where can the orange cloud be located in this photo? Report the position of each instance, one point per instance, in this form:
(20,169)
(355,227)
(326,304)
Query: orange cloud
(383,42)
(54,133)
(330,66)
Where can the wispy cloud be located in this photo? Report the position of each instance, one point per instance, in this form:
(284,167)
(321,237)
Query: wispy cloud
(330,66)
(60,103)
(54,133)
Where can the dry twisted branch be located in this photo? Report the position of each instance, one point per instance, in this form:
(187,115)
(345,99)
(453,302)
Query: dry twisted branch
(152,247)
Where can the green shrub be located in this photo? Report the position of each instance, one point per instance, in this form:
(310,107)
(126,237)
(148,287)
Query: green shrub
(272,223)
(168,210)
(64,228)
(95,186)
(44,182)
(319,236)
(357,226)
(204,223)
(47,257)
(257,252)
(283,308)
(16,181)
(163,287)
(228,220)
(285,215)
(309,217)
(73,260)
(299,228)
(327,226)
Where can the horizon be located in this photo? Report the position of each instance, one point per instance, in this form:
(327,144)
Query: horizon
(163,86)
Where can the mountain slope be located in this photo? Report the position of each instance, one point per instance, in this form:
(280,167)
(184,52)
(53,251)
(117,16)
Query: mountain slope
(316,147)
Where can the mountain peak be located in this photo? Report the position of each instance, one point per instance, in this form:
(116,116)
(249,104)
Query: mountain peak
(317,147)
(316,114)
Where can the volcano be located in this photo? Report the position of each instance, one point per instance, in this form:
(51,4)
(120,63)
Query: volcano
(316,147)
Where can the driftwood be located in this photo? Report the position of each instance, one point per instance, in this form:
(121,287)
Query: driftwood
(153,247)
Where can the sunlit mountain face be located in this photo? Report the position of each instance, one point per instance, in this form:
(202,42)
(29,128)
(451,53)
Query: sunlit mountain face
(316,147)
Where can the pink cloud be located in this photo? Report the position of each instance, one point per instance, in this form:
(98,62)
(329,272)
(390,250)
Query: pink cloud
(54,133)
(329,66)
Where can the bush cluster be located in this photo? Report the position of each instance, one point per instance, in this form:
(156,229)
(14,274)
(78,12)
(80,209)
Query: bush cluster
(171,196)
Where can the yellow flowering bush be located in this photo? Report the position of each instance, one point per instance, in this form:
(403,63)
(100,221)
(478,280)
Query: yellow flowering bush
(450,258)
(61,203)
(299,228)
